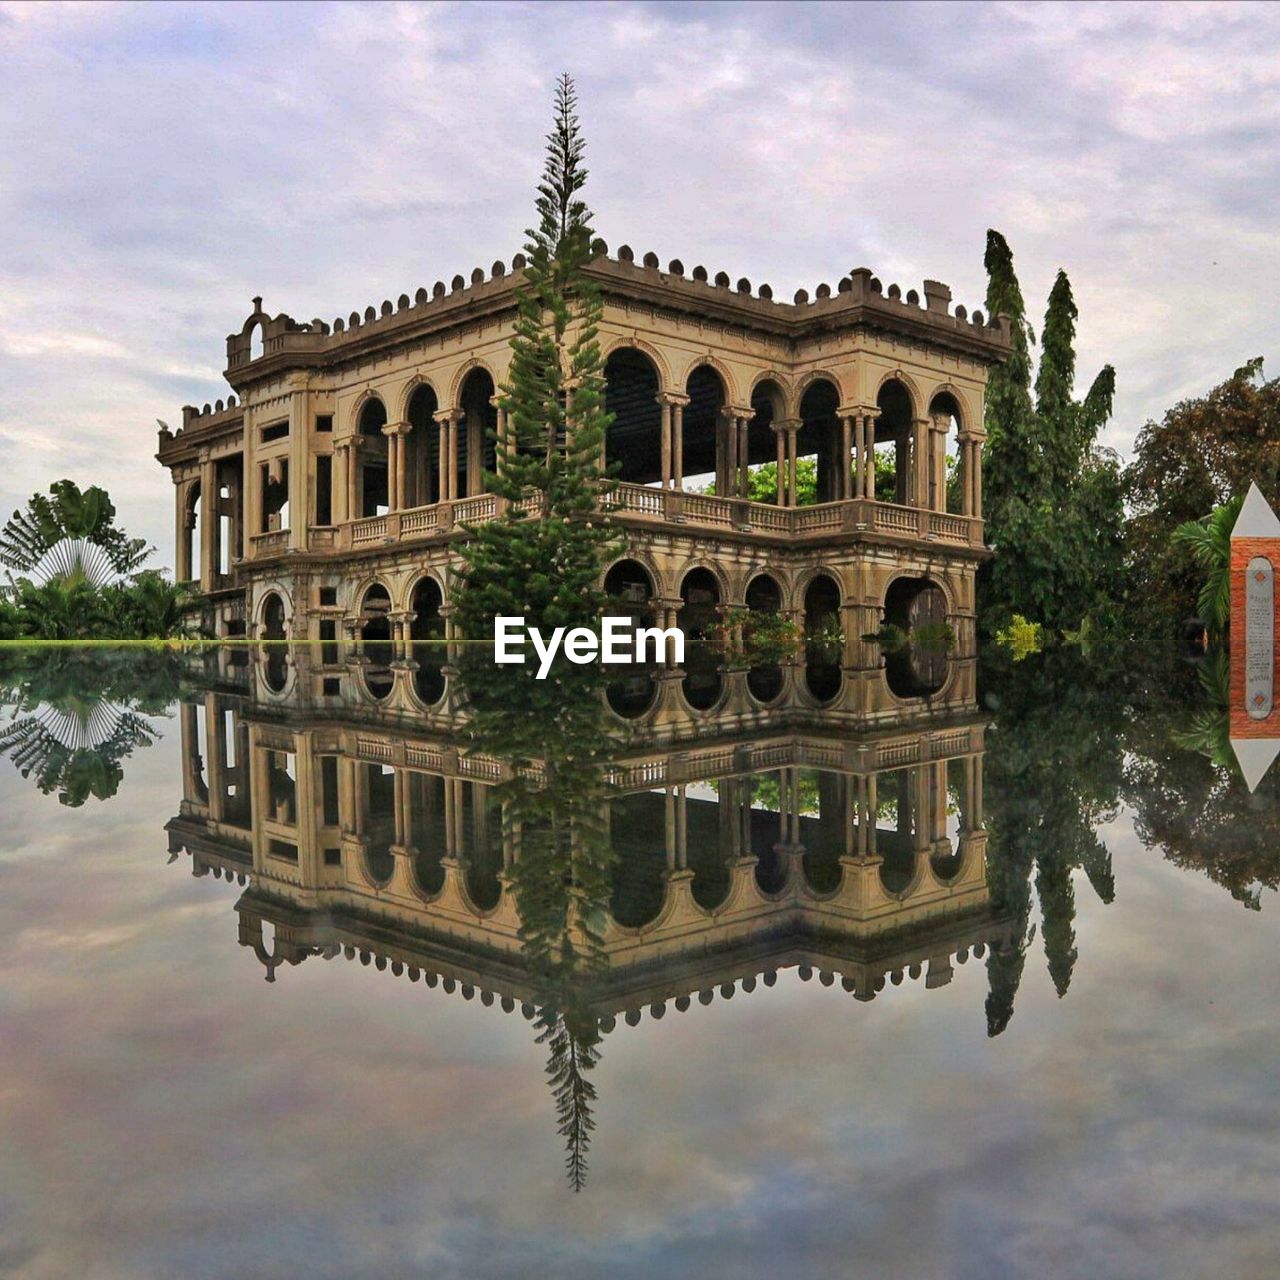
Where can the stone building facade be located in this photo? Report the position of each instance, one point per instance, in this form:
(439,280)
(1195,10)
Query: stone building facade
(325,500)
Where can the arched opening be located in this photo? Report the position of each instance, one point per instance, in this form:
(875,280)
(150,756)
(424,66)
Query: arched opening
(896,844)
(717,836)
(824,637)
(764,601)
(422,449)
(379,822)
(636,824)
(255,342)
(376,649)
(946,480)
(702,419)
(634,442)
(191,554)
(761,481)
(699,613)
(428,833)
(825,799)
(477,432)
(768,830)
(918,607)
(893,444)
(276,666)
(374,497)
(631,589)
(479,827)
(819,445)
(426,632)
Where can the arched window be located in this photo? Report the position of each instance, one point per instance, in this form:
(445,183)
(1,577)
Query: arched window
(276,664)
(426,631)
(918,608)
(374,497)
(946,481)
(631,591)
(422,448)
(893,444)
(764,598)
(699,614)
(634,442)
(476,432)
(702,423)
(762,442)
(375,641)
(820,443)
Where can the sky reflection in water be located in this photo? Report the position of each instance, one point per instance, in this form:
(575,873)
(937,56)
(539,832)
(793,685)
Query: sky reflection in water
(167,1112)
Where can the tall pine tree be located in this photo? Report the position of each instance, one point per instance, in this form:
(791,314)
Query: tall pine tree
(543,556)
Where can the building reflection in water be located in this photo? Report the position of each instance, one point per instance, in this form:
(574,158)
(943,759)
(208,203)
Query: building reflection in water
(704,862)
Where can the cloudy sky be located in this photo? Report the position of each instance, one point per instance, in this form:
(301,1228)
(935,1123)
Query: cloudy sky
(165,163)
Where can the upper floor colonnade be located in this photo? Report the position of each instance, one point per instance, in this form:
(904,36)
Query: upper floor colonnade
(861,395)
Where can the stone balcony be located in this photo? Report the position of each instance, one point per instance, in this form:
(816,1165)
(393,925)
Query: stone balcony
(643,507)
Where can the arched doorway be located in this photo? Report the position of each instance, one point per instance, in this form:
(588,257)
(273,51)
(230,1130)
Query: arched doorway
(634,442)
(918,607)
(824,637)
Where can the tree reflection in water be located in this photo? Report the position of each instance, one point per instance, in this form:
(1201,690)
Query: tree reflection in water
(74,716)
(553,738)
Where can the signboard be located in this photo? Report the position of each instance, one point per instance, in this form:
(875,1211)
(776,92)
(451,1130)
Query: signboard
(1255,558)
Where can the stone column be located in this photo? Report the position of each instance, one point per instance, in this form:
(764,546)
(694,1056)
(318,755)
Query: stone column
(869,457)
(726,452)
(182,533)
(744,456)
(977,475)
(938,461)
(208,524)
(780,440)
(918,495)
(664,441)
(845,489)
(677,427)
(793,449)
(395,480)
(447,463)
(353,477)
(500,453)
(299,469)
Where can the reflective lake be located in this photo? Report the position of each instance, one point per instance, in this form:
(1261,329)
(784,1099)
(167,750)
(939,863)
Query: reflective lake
(335,986)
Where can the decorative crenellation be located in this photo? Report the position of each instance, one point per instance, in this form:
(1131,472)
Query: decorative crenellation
(859,287)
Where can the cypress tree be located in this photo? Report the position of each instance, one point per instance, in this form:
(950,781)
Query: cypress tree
(1052,498)
(1011,461)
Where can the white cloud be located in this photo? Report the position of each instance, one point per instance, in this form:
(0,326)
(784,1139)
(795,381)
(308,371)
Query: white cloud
(174,163)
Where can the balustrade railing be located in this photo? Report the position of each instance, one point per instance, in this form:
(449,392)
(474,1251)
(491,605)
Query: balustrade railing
(658,506)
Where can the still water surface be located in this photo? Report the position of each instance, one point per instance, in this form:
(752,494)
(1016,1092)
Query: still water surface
(983,995)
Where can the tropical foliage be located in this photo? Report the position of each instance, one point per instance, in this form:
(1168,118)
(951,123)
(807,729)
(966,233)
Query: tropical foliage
(79,575)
